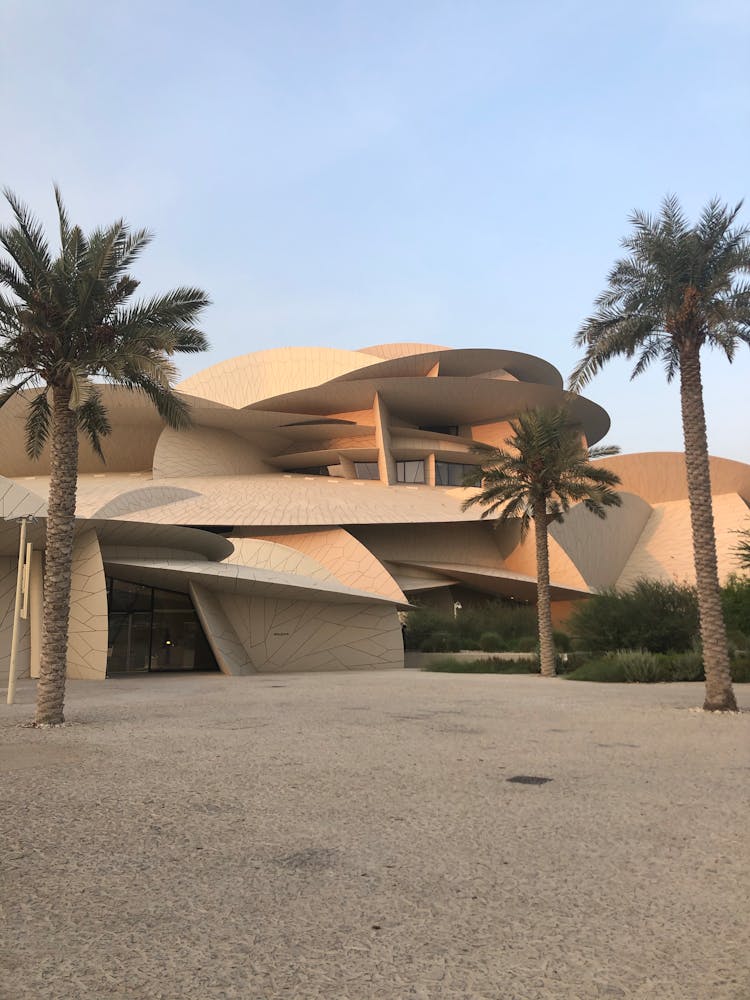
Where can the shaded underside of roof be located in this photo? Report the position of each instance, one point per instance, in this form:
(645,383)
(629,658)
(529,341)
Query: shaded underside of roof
(231,578)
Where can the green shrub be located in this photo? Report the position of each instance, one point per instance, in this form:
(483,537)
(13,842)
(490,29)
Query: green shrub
(491,642)
(646,668)
(568,662)
(605,670)
(658,617)
(685,666)
(642,667)
(508,619)
(423,623)
(468,644)
(441,642)
(654,616)
(524,644)
(562,641)
(625,666)
(450,665)
(739,642)
(427,628)
(740,667)
(735,603)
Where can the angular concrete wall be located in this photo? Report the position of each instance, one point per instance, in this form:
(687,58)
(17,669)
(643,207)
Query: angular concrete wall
(345,557)
(230,654)
(601,548)
(660,477)
(204,451)
(87,637)
(276,554)
(289,635)
(8,574)
(664,550)
(88,632)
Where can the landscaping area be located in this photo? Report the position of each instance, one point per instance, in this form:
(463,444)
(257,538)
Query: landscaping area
(647,634)
(360,836)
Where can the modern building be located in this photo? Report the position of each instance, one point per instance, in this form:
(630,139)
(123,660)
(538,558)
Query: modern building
(317,494)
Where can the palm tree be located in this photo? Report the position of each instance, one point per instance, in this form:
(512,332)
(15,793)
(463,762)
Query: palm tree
(66,324)
(677,291)
(545,468)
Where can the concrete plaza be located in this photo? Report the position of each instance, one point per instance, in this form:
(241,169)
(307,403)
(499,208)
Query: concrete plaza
(353,836)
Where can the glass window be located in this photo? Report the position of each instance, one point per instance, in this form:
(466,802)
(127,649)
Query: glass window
(152,629)
(173,640)
(452,473)
(168,600)
(313,470)
(410,472)
(128,644)
(444,429)
(366,470)
(125,596)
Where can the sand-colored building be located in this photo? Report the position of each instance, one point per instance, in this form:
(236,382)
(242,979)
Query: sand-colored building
(316,495)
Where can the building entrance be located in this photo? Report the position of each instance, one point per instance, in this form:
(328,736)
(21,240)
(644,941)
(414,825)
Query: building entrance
(153,630)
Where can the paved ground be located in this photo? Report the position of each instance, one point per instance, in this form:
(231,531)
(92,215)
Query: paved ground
(356,836)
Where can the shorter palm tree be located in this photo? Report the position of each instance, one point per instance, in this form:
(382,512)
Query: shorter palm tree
(67,324)
(545,469)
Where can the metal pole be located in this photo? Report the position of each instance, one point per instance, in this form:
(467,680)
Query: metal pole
(16,613)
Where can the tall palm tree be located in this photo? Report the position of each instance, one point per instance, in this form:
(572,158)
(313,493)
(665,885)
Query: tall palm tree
(66,324)
(678,290)
(545,468)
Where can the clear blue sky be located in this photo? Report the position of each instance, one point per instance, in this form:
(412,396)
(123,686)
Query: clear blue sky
(345,173)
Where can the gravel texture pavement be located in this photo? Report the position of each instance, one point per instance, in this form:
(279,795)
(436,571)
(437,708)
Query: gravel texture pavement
(356,836)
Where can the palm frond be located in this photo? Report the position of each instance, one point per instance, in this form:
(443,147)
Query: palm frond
(10,391)
(545,467)
(678,285)
(93,421)
(71,319)
(62,215)
(38,419)
(173,410)
(81,388)
(26,243)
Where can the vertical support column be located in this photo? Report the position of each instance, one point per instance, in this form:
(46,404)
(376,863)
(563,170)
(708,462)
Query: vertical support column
(17,611)
(347,467)
(429,469)
(386,463)
(36,605)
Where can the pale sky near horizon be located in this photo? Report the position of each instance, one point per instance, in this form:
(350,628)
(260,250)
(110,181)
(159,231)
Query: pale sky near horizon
(342,174)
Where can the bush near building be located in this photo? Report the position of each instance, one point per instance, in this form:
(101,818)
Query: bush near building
(450,665)
(638,666)
(626,666)
(735,603)
(652,615)
(646,634)
(500,625)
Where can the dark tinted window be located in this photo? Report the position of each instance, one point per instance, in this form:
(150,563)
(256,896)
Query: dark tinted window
(452,473)
(124,596)
(366,470)
(313,470)
(410,472)
(442,429)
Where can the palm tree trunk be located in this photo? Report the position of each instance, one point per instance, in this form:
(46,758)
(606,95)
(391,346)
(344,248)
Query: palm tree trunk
(61,510)
(719,693)
(543,607)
